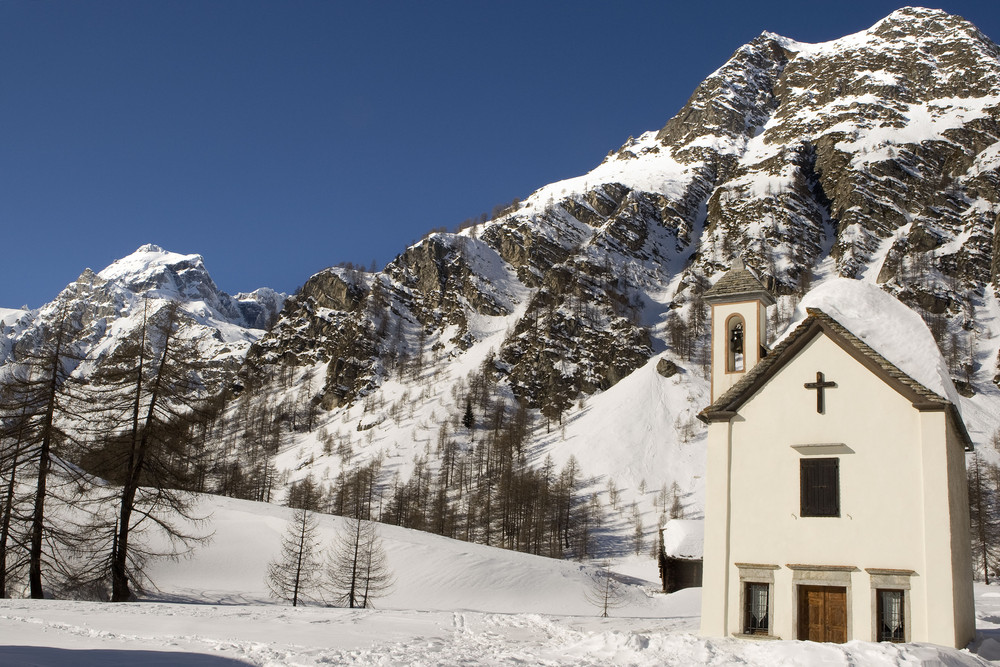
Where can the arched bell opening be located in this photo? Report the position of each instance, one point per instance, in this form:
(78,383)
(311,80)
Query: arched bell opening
(735,344)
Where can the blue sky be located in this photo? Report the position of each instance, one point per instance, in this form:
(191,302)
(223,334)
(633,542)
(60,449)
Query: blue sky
(278,138)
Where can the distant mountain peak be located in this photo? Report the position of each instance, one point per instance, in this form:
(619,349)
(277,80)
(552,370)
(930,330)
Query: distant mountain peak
(916,15)
(151,259)
(922,24)
(914,11)
(152,271)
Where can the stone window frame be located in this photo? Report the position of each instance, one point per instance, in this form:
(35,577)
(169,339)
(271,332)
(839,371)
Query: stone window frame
(891,579)
(756,573)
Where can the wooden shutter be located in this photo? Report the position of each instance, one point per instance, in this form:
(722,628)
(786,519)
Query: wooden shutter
(820,487)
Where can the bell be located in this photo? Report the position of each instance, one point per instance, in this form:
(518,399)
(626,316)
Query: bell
(736,340)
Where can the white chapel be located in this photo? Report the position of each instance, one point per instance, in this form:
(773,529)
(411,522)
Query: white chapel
(836,502)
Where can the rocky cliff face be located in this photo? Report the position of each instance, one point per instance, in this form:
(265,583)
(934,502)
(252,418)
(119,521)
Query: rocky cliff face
(884,135)
(875,156)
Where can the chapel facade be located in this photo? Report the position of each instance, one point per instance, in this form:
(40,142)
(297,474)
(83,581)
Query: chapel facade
(836,502)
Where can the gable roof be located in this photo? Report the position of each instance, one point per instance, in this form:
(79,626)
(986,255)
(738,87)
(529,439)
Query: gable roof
(816,322)
(738,284)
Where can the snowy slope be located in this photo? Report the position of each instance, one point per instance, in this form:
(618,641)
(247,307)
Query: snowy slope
(812,160)
(432,573)
(454,604)
(635,432)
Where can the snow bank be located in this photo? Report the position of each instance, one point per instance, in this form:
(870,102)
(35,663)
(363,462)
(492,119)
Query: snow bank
(93,634)
(684,538)
(643,429)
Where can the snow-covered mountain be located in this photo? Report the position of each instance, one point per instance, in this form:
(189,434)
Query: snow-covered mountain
(874,157)
(103,309)
(153,272)
(577,316)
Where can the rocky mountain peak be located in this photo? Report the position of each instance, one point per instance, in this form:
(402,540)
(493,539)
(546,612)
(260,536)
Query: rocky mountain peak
(924,23)
(104,309)
(870,156)
(733,101)
(874,157)
(153,272)
(153,269)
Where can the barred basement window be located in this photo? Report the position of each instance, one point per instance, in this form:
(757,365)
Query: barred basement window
(756,621)
(891,627)
(820,487)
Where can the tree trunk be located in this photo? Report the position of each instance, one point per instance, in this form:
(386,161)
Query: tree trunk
(44,463)
(120,591)
(8,510)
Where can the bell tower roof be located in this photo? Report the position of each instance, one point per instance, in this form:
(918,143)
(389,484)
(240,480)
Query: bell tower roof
(738,284)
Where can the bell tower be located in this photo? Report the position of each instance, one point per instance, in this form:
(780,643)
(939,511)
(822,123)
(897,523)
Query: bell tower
(739,325)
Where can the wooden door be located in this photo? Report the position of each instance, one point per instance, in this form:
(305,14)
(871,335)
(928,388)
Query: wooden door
(823,613)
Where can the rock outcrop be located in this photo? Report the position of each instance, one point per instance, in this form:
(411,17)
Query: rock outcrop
(875,156)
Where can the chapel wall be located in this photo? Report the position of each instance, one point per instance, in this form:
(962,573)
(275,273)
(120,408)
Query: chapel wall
(875,434)
(873,422)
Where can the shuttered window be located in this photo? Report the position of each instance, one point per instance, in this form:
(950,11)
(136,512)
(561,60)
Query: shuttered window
(820,487)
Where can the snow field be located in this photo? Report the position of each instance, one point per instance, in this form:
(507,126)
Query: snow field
(454,604)
(432,573)
(91,634)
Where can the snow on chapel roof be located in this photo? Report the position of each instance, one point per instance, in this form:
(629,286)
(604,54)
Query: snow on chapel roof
(887,326)
(884,335)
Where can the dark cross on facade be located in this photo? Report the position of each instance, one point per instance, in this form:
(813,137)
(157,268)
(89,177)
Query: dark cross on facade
(819,385)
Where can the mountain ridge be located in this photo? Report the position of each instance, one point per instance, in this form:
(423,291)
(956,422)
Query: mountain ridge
(875,157)
(104,309)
